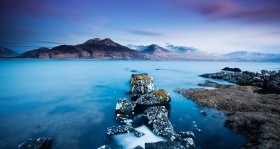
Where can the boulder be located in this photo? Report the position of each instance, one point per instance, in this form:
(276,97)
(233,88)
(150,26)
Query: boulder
(121,129)
(232,69)
(186,134)
(37,143)
(124,111)
(154,98)
(164,145)
(138,147)
(157,118)
(140,84)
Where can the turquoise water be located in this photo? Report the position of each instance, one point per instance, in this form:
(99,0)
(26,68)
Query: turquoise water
(73,101)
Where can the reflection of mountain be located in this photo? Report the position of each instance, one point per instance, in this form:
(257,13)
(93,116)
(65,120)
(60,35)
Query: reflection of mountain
(4,52)
(108,49)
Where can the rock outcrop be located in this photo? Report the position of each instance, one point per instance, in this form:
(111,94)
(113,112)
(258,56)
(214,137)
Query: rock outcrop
(269,81)
(123,129)
(124,111)
(157,118)
(140,85)
(154,98)
(155,115)
(38,143)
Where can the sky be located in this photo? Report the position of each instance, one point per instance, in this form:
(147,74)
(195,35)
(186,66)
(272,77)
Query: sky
(214,26)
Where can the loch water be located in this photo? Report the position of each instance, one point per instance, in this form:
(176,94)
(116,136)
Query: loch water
(73,101)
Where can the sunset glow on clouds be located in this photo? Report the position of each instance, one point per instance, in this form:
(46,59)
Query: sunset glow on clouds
(216,26)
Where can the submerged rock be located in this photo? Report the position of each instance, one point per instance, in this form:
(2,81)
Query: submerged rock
(140,84)
(154,98)
(38,143)
(124,111)
(114,130)
(188,143)
(186,134)
(138,147)
(104,147)
(164,145)
(232,69)
(157,118)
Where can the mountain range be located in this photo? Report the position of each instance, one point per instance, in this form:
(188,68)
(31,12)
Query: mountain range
(5,52)
(107,49)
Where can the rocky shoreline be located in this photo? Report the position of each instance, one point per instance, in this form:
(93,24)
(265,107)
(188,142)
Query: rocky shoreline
(255,114)
(268,81)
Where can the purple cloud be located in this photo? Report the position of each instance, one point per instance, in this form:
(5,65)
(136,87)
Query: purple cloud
(258,10)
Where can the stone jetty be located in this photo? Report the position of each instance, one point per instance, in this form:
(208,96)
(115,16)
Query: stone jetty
(153,107)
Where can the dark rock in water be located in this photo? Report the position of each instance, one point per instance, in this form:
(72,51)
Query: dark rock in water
(137,121)
(164,145)
(157,118)
(104,147)
(267,80)
(140,84)
(203,113)
(213,84)
(119,129)
(124,111)
(138,133)
(154,98)
(133,71)
(188,143)
(39,143)
(138,147)
(114,130)
(186,134)
(232,69)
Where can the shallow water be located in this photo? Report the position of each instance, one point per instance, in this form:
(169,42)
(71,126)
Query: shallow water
(73,101)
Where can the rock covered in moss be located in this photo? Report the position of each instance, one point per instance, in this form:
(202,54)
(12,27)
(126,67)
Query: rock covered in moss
(37,143)
(121,129)
(140,84)
(154,98)
(124,111)
(157,118)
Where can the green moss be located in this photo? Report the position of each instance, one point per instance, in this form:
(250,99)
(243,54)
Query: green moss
(161,93)
(140,77)
(164,118)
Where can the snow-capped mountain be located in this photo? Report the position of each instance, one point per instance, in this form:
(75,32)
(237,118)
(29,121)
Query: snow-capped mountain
(136,47)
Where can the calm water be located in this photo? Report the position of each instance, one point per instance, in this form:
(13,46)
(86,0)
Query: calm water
(73,101)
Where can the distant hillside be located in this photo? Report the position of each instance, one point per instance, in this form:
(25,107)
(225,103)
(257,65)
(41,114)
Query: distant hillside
(93,48)
(252,56)
(5,52)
